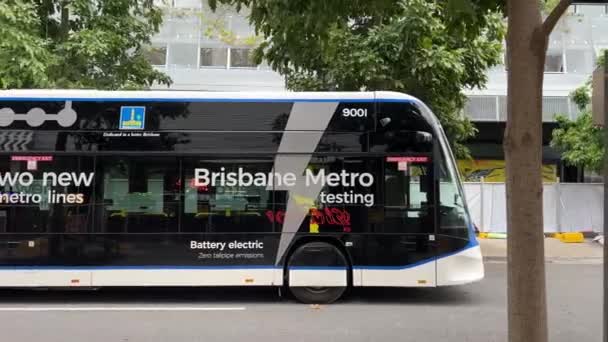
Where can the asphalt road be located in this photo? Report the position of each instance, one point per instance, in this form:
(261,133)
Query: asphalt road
(469,313)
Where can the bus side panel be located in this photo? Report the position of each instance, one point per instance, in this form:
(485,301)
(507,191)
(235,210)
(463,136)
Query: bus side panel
(398,260)
(139,259)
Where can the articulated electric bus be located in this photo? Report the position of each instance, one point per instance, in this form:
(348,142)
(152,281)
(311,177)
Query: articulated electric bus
(312,191)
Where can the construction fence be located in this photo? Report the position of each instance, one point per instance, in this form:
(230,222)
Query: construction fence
(567,207)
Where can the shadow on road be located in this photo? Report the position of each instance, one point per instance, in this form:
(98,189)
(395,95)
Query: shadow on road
(230,295)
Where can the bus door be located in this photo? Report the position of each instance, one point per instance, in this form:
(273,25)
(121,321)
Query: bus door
(402,250)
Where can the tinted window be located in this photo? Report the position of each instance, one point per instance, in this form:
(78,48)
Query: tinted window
(453,217)
(408,196)
(401,127)
(366,207)
(216,200)
(317,202)
(138,195)
(46,193)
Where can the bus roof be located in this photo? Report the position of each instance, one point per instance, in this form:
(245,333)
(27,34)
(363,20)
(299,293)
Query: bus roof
(203,96)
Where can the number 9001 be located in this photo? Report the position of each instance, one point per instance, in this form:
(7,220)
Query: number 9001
(354,112)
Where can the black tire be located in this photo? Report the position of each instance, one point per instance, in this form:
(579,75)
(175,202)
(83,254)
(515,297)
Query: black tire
(318,295)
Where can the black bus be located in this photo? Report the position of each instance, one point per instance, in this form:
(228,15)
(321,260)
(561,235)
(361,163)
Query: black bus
(313,191)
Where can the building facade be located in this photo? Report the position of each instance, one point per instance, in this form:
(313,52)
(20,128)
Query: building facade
(572,53)
(203,50)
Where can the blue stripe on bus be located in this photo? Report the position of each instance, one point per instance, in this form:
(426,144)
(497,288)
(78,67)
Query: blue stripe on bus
(147,267)
(61,99)
(471,244)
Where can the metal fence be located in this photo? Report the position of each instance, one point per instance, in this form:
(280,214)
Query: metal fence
(566,206)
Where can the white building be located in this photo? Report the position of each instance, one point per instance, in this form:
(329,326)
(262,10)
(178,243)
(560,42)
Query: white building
(573,48)
(202,50)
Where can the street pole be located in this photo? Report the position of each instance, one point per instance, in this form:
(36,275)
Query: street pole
(605,196)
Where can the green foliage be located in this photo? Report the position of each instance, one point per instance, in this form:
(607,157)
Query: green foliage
(77,44)
(429,49)
(24,55)
(581,142)
(582,97)
(548,5)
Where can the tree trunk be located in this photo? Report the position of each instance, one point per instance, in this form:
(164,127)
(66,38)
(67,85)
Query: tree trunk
(526,48)
(64,27)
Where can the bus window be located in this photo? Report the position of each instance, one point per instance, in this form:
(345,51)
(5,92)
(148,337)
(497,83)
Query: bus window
(408,198)
(216,200)
(319,201)
(40,194)
(365,203)
(452,212)
(139,195)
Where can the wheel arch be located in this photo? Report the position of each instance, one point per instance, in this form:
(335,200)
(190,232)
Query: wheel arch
(321,238)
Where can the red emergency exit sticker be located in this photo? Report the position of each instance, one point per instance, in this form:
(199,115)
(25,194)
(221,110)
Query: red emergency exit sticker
(410,159)
(32,161)
(31,158)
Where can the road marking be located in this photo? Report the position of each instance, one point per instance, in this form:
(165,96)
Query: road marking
(117,308)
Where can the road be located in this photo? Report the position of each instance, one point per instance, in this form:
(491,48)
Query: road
(469,313)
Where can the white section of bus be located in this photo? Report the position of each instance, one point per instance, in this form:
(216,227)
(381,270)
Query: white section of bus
(460,268)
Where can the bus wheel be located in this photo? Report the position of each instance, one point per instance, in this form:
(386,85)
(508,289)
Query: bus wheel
(317,273)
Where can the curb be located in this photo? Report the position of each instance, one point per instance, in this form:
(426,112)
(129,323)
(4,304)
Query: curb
(566,237)
(571,237)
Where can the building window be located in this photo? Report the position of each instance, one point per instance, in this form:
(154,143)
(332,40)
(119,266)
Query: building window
(590,10)
(162,3)
(554,61)
(187,3)
(554,105)
(242,58)
(214,57)
(183,56)
(157,55)
(580,61)
(484,108)
(481,108)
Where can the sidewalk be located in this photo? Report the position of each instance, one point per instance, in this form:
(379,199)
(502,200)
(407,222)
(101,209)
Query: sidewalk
(555,250)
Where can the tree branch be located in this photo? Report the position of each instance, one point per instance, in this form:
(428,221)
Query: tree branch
(554,16)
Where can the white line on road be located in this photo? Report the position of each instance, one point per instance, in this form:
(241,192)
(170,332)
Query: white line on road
(117,308)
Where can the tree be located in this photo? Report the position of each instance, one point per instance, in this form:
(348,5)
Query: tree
(580,141)
(77,44)
(527,39)
(430,49)
(24,55)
